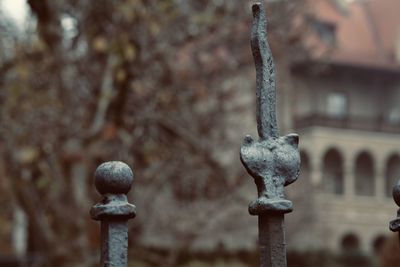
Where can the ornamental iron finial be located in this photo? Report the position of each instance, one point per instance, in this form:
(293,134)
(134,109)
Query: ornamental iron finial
(395,224)
(113,181)
(273,161)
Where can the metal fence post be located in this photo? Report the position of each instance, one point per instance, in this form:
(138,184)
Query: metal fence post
(273,161)
(395,224)
(113,181)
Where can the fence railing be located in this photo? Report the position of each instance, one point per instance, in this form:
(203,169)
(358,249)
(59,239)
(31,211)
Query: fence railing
(273,161)
(395,224)
(113,181)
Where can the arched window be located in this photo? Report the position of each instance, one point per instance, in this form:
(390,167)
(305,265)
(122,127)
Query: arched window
(350,243)
(378,243)
(392,173)
(305,166)
(333,172)
(364,175)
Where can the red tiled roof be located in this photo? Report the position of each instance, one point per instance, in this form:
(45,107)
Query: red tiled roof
(367,33)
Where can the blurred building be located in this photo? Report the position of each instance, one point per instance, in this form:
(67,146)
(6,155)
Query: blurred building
(346,110)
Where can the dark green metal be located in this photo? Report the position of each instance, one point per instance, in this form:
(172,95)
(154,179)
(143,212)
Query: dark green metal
(395,224)
(113,180)
(273,161)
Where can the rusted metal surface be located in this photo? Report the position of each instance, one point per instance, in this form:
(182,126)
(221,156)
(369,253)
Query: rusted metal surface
(273,161)
(113,181)
(395,224)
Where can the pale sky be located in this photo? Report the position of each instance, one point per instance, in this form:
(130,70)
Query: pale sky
(15,9)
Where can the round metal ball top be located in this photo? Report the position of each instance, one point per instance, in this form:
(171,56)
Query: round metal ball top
(114,177)
(396,193)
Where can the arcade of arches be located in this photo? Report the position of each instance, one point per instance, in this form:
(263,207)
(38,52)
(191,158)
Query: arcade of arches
(344,193)
(361,173)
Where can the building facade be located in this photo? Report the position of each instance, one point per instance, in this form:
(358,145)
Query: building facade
(347,113)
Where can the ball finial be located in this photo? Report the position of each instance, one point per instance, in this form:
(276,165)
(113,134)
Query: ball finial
(114,177)
(396,193)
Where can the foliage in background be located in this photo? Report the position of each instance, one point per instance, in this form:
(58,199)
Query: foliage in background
(144,81)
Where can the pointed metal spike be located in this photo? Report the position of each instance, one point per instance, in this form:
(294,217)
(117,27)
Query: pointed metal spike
(265,76)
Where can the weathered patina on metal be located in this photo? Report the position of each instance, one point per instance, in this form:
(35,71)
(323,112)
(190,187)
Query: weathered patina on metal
(395,224)
(113,181)
(273,161)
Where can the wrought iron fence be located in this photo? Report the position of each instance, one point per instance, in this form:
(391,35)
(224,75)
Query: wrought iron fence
(395,224)
(272,160)
(113,181)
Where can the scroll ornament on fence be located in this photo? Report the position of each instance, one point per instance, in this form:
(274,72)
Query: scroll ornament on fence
(273,161)
(395,224)
(113,181)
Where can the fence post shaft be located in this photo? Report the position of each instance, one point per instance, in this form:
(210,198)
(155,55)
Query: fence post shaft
(113,181)
(273,161)
(272,240)
(395,224)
